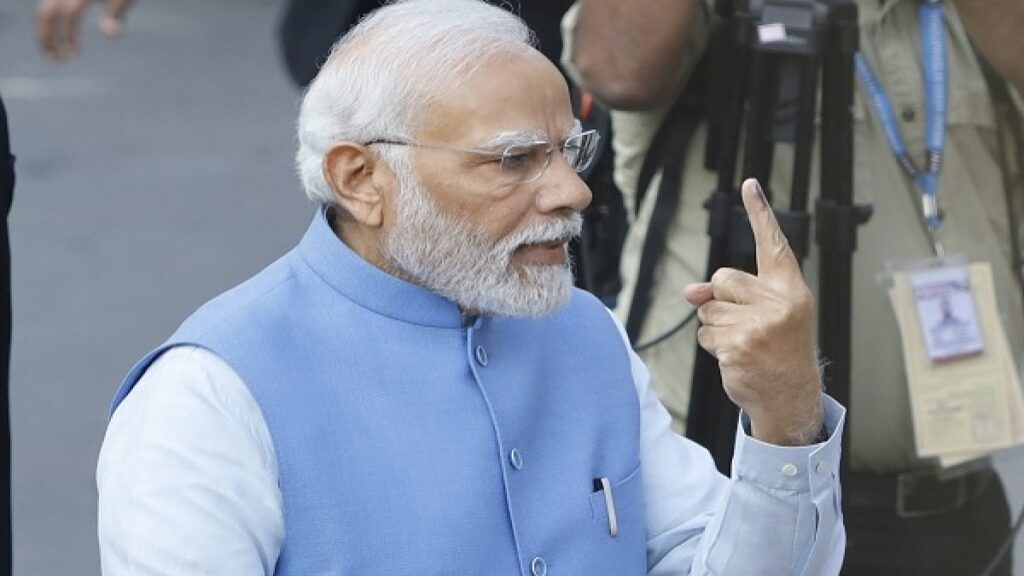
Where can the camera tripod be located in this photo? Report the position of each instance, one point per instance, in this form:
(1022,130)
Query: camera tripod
(768,57)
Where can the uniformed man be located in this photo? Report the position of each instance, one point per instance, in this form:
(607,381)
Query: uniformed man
(637,57)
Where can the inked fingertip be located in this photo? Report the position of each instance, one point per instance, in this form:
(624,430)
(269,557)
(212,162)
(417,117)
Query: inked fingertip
(752,187)
(760,193)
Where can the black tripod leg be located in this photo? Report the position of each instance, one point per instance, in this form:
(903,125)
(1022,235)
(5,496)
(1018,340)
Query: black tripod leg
(803,146)
(837,217)
(709,406)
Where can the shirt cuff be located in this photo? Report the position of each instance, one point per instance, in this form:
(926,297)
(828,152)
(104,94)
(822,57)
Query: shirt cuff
(793,468)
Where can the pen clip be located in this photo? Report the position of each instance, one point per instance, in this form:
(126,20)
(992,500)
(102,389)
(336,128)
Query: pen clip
(609,502)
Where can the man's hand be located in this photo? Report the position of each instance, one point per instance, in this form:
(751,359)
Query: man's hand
(57,23)
(760,328)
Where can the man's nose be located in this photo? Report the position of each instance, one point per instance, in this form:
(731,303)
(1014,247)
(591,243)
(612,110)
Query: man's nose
(561,188)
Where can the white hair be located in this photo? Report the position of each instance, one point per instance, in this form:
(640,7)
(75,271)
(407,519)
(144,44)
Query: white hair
(381,76)
(457,259)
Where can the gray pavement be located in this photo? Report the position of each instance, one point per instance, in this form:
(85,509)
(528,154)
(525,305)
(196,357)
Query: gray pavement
(154,171)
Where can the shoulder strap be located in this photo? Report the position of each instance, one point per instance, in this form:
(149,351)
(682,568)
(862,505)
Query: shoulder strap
(666,154)
(1011,137)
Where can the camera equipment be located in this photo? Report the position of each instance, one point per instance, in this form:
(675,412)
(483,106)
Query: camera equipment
(768,56)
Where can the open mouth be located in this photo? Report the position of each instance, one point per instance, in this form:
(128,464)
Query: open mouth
(550,252)
(551,244)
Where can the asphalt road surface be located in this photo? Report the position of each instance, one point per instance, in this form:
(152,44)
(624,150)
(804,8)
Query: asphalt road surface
(154,171)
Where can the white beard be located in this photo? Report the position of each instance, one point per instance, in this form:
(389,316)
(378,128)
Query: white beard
(459,261)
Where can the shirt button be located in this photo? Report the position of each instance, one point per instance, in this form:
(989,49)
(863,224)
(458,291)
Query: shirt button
(908,114)
(481,356)
(517,459)
(820,468)
(789,470)
(539,567)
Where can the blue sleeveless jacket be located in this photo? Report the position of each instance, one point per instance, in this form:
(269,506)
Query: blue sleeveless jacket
(410,443)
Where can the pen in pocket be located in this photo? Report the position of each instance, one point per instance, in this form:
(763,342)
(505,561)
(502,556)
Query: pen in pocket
(605,486)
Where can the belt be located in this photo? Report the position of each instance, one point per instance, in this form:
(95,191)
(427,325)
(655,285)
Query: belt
(915,494)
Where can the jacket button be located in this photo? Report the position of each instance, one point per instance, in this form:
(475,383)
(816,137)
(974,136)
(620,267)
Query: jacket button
(539,567)
(481,356)
(517,458)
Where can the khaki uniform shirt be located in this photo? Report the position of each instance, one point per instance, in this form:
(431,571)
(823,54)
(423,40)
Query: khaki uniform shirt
(972,195)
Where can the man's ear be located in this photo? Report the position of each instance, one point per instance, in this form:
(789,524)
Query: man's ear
(350,171)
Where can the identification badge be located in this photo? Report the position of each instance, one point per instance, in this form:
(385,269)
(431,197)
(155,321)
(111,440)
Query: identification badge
(947,314)
(964,387)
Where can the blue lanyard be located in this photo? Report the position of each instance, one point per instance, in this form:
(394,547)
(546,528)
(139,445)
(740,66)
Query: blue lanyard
(936,79)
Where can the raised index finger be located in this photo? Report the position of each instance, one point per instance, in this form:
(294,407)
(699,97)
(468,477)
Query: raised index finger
(774,256)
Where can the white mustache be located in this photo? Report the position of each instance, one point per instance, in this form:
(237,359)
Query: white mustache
(557,229)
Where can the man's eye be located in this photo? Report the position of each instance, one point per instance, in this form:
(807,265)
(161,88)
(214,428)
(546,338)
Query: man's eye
(515,161)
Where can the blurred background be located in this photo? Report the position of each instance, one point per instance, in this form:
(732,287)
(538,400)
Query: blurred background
(154,171)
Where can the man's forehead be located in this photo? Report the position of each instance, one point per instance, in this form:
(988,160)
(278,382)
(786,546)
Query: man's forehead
(512,98)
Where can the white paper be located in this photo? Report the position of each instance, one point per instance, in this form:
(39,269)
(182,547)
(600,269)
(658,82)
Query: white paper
(774,32)
(964,408)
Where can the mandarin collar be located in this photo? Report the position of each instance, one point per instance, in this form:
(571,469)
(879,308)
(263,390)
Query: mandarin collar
(369,286)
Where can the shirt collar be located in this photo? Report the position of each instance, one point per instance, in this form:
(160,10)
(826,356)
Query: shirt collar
(872,11)
(368,286)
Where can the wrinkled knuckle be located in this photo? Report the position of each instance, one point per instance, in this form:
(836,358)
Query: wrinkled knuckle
(747,340)
(779,240)
(759,337)
(721,276)
(712,312)
(782,253)
(784,245)
(706,340)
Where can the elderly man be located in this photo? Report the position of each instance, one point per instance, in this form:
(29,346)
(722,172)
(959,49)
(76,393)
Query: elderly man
(417,389)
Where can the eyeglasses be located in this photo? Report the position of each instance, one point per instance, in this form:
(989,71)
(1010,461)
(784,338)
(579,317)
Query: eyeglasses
(525,162)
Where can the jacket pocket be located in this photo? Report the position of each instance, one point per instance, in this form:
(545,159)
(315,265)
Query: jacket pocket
(625,494)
